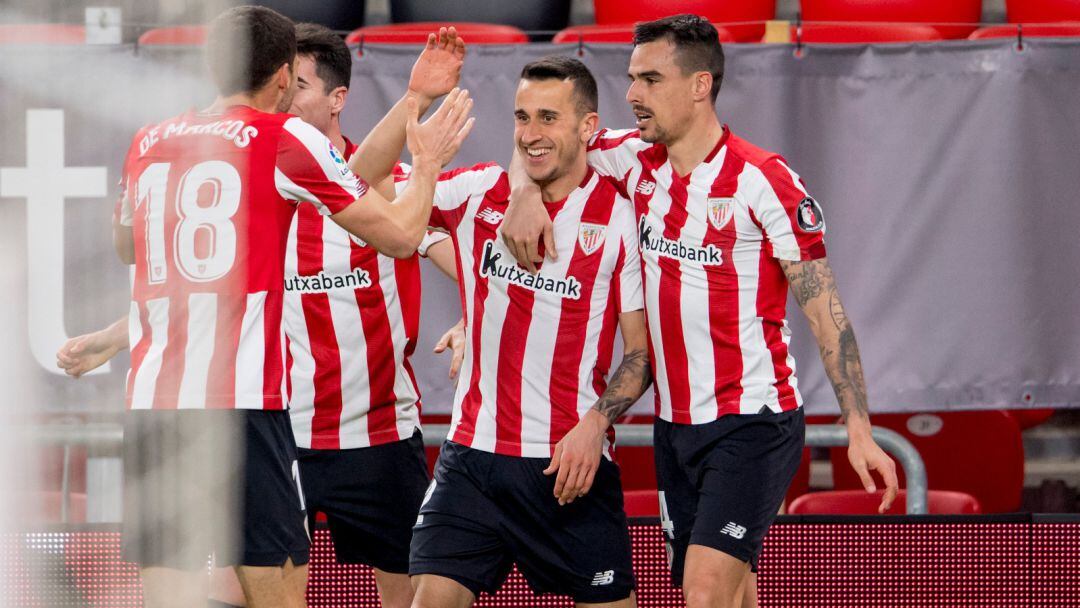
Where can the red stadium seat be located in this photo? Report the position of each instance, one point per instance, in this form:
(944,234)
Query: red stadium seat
(1030,30)
(1031,418)
(613,12)
(977,452)
(42,33)
(641,503)
(623,33)
(1041,11)
(859,502)
(865,33)
(181,35)
(45,508)
(416,33)
(899,11)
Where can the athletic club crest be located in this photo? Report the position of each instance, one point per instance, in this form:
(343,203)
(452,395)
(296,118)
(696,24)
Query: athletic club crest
(591,236)
(720,211)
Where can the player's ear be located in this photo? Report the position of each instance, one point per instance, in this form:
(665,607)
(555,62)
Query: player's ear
(337,99)
(702,89)
(588,126)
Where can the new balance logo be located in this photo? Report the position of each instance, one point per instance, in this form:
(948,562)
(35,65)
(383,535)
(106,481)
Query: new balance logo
(646,187)
(490,216)
(734,530)
(603,578)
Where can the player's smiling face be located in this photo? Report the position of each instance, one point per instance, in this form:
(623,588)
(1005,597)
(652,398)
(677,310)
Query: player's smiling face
(660,93)
(549,129)
(311,101)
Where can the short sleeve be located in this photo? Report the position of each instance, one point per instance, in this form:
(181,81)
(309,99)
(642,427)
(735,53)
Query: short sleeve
(310,169)
(430,238)
(124,211)
(614,153)
(454,189)
(628,268)
(790,218)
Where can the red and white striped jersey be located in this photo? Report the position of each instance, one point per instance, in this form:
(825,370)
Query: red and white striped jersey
(715,294)
(209,199)
(539,346)
(351,320)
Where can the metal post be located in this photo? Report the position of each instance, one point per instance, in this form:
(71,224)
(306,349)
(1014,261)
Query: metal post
(818,435)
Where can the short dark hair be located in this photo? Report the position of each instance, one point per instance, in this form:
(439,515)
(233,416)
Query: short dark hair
(246,45)
(560,67)
(333,61)
(696,41)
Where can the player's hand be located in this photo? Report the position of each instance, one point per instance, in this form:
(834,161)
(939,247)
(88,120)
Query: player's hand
(454,339)
(526,222)
(439,137)
(438,68)
(865,455)
(84,353)
(577,456)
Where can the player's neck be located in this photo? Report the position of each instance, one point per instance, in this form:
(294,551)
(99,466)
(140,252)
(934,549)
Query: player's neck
(696,144)
(558,189)
(263,101)
(333,133)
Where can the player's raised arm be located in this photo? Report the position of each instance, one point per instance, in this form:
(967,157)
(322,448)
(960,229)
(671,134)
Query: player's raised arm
(435,73)
(577,455)
(397,227)
(814,287)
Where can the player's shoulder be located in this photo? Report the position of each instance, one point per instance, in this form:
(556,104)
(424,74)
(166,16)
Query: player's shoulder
(753,155)
(609,139)
(607,188)
(480,171)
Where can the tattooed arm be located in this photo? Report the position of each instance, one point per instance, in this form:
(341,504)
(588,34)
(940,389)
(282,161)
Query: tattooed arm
(814,288)
(577,455)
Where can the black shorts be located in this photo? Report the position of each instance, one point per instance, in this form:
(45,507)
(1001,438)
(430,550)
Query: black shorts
(202,482)
(370,497)
(722,483)
(485,511)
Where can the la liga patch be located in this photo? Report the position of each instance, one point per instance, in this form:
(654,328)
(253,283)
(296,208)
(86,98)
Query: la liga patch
(809,215)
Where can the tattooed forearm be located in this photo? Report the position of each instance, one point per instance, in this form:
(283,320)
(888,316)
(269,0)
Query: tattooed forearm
(815,290)
(627,384)
(807,280)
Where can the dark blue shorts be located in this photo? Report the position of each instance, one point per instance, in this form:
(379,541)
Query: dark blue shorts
(370,497)
(485,511)
(202,482)
(722,483)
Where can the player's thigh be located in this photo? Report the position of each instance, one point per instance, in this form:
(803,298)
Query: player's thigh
(714,579)
(395,589)
(630,602)
(678,495)
(274,587)
(371,498)
(582,548)
(434,591)
(273,518)
(459,532)
(172,588)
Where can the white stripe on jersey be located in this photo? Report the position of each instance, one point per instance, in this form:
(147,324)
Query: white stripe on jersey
(251,355)
(201,331)
(289,189)
(142,395)
(351,342)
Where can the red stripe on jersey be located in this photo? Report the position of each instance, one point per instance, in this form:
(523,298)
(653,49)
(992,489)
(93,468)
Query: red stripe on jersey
(410,294)
(671,325)
(607,330)
(771,308)
(381,365)
(273,366)
(607,143)
(515,333)
(326,379)
(167,388)
(570,340)
(222,377)
(470,405)
(723,281)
